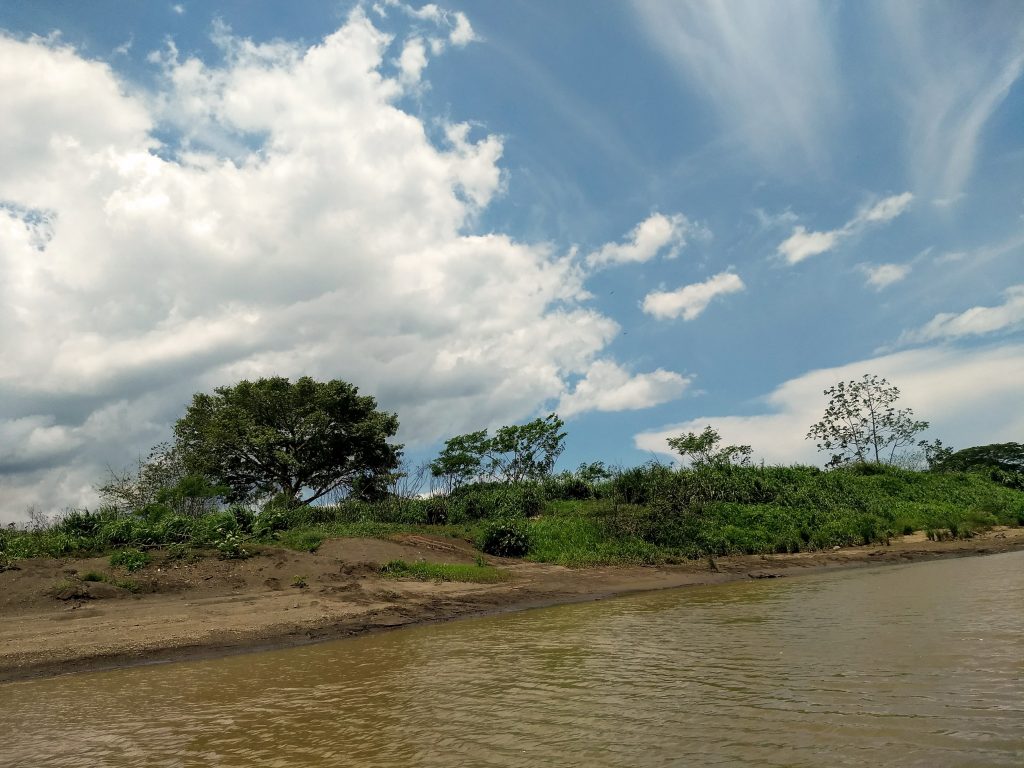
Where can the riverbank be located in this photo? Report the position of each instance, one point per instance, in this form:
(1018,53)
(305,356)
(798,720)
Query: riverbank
(55,622)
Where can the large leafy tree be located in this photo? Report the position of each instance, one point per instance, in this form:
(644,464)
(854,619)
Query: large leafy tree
(1008,457)
(303,439)
(863,424)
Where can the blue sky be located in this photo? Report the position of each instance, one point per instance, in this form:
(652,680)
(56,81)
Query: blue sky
(649,216)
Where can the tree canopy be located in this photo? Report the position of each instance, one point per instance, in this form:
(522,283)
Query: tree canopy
(513,454)
(303,439)
(862,423)
(702,450)
(1009,457)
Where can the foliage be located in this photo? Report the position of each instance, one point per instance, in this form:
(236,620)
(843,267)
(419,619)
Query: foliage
(1008,457)
(517,453)
(130,559)
(423,571)
(462,459)
(509,537)
(702,450)
(272,436)
(231,545)
(861,422)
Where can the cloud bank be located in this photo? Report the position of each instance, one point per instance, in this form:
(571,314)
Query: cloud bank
(971,397)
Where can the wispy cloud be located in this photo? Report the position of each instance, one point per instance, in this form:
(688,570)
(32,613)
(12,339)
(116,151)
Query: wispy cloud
(956,65)
(802,244)
(689,301)
(768,68)
(883,275)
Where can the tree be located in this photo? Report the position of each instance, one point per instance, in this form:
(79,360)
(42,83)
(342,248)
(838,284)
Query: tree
(274,437)
(702,450)
(161,478)
(1008,457)
(862,423)
(514,454)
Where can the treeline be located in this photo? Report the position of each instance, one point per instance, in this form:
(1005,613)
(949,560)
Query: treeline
(275,462)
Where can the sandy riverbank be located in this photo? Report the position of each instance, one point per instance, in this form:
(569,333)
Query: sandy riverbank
(213,607)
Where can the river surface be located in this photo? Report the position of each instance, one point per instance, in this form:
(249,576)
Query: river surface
(915,665)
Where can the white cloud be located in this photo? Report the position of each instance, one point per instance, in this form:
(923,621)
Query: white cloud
(883,275)
(608,386)
(178,8)
(884,210)
(305,225)
(647,239)
(976,321)
(462,33)
(802,244)
(690,300)
(768,68)
(412,61)
(971,397)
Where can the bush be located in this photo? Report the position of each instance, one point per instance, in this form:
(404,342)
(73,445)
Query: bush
(129,559)
(506,538)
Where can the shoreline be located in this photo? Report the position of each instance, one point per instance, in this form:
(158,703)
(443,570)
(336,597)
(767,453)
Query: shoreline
(213,608)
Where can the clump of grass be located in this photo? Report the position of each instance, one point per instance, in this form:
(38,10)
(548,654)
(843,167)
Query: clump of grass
(482,574)
(94,576)
(299,582)
(129,559)
(128,585)
(304,540)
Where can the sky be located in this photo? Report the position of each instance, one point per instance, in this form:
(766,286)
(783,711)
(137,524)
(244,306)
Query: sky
(647,216)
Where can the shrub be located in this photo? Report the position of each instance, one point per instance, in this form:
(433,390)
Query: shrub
(129,559)
(509,537)
(230,545)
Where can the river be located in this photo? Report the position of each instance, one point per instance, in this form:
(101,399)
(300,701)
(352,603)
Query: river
(915,665)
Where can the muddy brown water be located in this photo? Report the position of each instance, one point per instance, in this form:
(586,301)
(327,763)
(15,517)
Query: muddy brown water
(916,665)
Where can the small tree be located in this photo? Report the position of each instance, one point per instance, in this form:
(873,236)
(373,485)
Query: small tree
(862,423)
(302,440)
(702,450)
(527,451)
(514,454)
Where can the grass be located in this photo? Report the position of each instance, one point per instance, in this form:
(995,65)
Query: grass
(644,515)
(421,571)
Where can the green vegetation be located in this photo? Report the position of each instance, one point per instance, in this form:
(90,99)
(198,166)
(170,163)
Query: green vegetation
(130,559)
(500,493)
(483,574)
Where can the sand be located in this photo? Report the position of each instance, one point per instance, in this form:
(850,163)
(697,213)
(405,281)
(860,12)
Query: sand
(282,598)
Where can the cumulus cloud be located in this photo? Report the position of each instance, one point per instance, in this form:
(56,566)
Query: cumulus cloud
(412,61)
(881,276)
(300,223)
(976,321)
(650,237)
(802,244)
(971,397)
(462,32)
(608,386)
(690,300)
